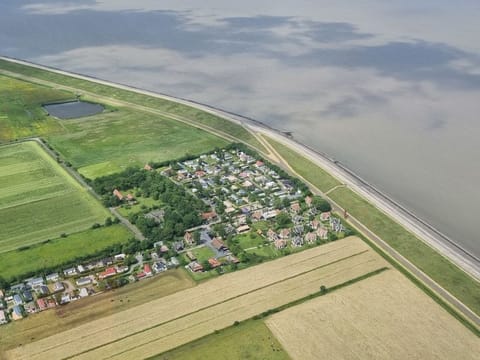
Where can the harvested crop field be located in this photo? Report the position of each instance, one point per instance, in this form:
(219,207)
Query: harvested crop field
(164,324)
(38,198)
(63,318)
(383,317)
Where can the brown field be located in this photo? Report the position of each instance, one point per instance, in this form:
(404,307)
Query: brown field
(383,317)
(163,324)
(58,320)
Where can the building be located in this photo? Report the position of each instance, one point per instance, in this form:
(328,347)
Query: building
(58,286)
(310,237)
(43,290)
(219,245)
(17,300)
(243,229)
(174,261)
(208,216)
(27,295)
(284,233)
(118,194)
(52,277)
(147,270)
(83,292)
(322,233)
(308,201)
(188,238)
(159,267)
(214,263)
(70,272)
(280,243)
(109,272)
(191,256)
(325,216)
(17,312)
(42,304)
(84,281)
(34,282)
(195,266)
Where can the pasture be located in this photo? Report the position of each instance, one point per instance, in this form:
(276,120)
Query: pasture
(249,340)
(38,198)
(382,317)
(186,112)
(164,324)
(59,251)
(58,320)
(110,142)
(21,114)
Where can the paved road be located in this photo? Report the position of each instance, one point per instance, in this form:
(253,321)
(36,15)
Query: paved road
(462,308)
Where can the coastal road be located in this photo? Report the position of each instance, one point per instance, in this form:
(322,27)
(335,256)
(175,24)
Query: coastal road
(377,240)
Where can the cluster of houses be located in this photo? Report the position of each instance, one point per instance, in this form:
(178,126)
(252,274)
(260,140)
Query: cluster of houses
(249,191)
(45,292)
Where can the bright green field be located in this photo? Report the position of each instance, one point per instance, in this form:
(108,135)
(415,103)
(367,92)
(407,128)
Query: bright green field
(425,258)
(311,172)
(38,199)
(109,142)
(248,340)
(21,114)
(61,250)
(140,99)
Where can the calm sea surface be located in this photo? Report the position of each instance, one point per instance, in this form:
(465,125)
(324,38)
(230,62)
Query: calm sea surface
(391,89)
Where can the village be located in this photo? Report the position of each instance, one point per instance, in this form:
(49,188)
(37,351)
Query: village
(256,213)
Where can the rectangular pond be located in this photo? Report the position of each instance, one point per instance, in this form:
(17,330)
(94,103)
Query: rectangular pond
(73,109)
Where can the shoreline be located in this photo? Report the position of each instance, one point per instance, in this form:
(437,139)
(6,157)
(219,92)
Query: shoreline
(427,233)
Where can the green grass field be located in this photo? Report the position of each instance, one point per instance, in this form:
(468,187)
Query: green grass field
(38,198)
(109,142)
(425,258)
(21,114)
(249,340)
(249,240)
(190,113)
(61,250)
(311,172)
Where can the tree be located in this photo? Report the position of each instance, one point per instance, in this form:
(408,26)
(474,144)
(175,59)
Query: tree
(3,283)
(108,221)
(197,238)
(283,220)
(321,204)
(323,290)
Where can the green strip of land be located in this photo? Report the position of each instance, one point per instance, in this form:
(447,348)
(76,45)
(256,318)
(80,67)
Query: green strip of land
(60,251)
(440,269)
(249,340)
(310,172)
(188,112)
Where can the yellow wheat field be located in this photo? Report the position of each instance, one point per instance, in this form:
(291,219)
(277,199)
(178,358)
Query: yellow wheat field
(383,317)
(166,323)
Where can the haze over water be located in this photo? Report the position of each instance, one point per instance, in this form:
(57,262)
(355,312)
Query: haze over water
(391,89)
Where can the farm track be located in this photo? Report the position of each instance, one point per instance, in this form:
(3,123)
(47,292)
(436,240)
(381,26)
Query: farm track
(163,324)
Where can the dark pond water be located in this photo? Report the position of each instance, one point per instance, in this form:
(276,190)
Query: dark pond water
(74,109)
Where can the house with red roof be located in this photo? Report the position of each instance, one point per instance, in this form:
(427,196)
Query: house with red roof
(214,263)
(147,270)
(109,272)
(118,194)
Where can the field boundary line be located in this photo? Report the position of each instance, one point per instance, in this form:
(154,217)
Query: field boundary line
(209,306)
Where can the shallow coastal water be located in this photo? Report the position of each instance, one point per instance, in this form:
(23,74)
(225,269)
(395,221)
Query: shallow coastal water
(390,89)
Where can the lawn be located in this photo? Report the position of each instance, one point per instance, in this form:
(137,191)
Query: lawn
(110,142)
(249,340)
(424,257)
(203,253)
(311,172)
(148,202)
(249,240)
(21,114)
(77,313)
(60,251)
(39,200)
(187,112)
